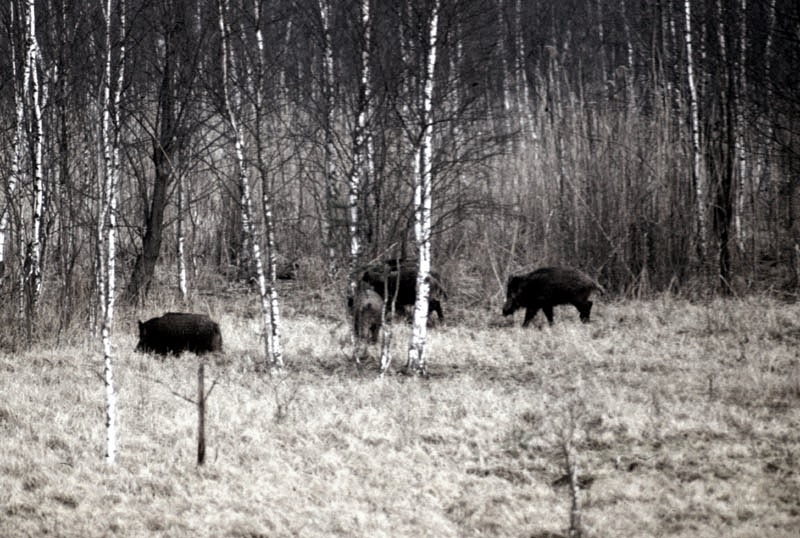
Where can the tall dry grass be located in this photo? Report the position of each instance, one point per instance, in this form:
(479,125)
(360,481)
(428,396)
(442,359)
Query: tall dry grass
(683,418)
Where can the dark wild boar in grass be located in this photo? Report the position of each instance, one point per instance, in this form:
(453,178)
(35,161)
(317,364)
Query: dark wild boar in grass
(176,332)
(547,287)
(403,283)
(367,315)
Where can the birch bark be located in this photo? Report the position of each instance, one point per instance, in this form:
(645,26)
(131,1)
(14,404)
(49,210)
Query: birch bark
(740,151)
(34,256)
(422,202)
(108,218)
(270,293)
(270,346)
(694,125)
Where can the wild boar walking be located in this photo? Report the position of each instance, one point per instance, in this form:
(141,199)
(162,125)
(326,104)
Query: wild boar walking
(547,287)
(176,332)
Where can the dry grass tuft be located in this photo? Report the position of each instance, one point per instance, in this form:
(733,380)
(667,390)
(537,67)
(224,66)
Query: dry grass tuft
(683,418)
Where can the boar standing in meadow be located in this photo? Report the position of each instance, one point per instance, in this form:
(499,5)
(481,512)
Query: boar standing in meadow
(366,312)
(176,332)
(547,287)
(403,282)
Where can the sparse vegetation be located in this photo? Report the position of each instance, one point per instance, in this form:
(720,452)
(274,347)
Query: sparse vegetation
(688,425)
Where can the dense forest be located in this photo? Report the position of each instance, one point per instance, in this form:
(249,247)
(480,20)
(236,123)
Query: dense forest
(653,144)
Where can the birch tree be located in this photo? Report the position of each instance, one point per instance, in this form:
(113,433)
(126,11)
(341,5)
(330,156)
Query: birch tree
(422,167)
(694,126)
(271,350)
(740,127)
(32,97)
(181,240)
(110,109)
(361,157)
(270,292)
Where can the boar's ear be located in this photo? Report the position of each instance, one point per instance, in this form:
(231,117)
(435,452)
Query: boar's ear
(141,327)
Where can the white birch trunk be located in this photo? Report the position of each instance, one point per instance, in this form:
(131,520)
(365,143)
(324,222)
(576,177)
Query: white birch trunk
(182,280)
(422,204)
(110,111)
(697,163)
(274,342)
(34,277)
(244,183)
(740,152)
(359,171)
(102,216)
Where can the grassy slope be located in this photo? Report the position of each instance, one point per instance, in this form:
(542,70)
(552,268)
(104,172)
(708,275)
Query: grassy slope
(686,423)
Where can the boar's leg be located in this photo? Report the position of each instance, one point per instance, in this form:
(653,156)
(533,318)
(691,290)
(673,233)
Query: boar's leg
(530,313)
(585,309)
(435,306)
(548,312)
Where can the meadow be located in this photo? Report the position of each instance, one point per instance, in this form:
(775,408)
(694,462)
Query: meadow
(682,416)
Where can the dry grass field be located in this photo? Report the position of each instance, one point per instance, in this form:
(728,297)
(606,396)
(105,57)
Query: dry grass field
(684,417)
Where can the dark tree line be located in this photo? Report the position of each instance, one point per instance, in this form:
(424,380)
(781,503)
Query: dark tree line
(561,132)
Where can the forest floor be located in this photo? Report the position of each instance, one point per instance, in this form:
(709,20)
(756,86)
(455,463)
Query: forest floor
(684,420)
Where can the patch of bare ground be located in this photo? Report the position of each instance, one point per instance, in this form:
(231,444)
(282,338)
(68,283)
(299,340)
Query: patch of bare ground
(682,420)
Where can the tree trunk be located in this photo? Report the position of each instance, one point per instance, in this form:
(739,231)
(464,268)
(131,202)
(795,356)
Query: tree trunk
(741,90)
(267,298)
(694,125)
(182,197)
(34,254)
(358,174)
(270,293)
(329,223)
(163,153)
(108,220)
(423,157)
(165,148)
(16,150)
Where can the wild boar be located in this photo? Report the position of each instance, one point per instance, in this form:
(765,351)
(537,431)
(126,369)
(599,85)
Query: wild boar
(547,287)
(176,332)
